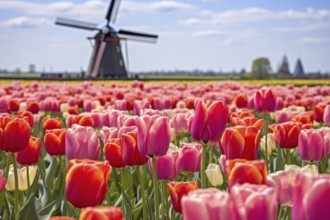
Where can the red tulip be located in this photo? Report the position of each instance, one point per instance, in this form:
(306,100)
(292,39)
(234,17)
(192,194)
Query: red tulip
(33,107)
(243,113)
(3,181)
(304,117)
(14,105)
(83,120)
(240,142)
(209,121)
(179,189)
(129,149)
(101,213)
(248,121)
(30,154)
(241,171)
(51,123)
(28,116)
(112,152)
(54,141)
(287,133)
(319,112)
(241,101)
(15,134)
(265,100)
(86,182)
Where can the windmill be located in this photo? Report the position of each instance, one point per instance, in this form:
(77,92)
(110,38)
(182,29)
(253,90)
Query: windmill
(107,57)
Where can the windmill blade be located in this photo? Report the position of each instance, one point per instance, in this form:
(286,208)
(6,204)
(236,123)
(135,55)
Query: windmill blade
(76,24)
(96,62)
(113,11)
(138,36)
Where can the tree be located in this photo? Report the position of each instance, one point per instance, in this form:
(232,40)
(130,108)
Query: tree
(261,68)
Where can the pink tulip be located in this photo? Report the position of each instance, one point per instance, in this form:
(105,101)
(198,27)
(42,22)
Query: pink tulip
(3,181)
(314,144)
(153,135)
(168,165)
(207,204)
(161,103)
(108,133)
(88,105)
(265,100)
(191,156)
(326,114)
(254,202)
(140,105)
(180,123)
(311,197)
(50,105)
(110,118)
(209,121)
(284,181)
(82,143)
(97,118)
(126,121)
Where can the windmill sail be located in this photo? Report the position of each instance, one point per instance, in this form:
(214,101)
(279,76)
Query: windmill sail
(76,24)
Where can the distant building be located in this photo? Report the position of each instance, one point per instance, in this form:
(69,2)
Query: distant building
(299,69)
(32,68)
(284,67)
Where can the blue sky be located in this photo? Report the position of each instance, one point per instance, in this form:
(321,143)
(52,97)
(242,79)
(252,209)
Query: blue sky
(197,34)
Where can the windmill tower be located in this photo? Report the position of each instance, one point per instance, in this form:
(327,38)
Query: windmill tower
(284,67)
(299,69)
(107,57)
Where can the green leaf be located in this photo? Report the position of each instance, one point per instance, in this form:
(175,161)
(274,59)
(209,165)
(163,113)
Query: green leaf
(29,210)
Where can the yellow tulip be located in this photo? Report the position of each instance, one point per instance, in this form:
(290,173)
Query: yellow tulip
(22,178)
(214,174)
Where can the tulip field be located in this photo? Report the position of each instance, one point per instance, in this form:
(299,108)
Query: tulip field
(164,150)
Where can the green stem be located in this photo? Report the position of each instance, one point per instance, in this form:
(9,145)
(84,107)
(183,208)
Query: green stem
(122,179)
(280,209)
(203,175)
(288,213)
(28,180)
(155,182)
(141,180)
(288,155)
(210,154)
(16,185)
(164,200)
(266,138)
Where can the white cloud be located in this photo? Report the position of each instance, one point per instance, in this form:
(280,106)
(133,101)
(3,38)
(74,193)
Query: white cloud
(304,27)
(255,14)
(26,22)
(207,33)
(311,40)
(90,7)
